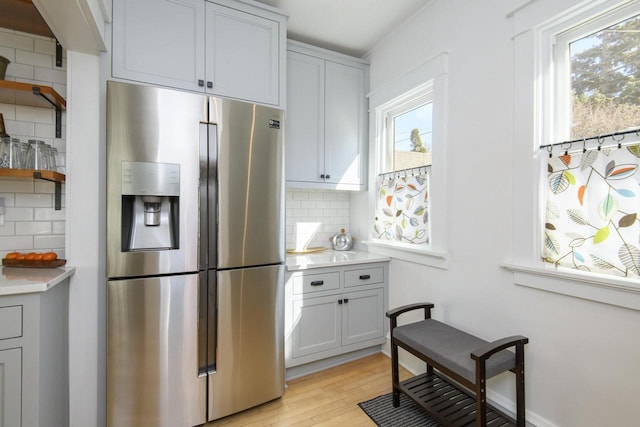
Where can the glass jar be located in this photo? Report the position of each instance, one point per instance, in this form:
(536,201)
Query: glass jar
(53,155)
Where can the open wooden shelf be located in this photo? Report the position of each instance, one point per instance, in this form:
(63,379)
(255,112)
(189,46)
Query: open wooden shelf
(55,177)
(34,95)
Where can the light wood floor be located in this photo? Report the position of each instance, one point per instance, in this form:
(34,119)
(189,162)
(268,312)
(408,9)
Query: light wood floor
(327,398)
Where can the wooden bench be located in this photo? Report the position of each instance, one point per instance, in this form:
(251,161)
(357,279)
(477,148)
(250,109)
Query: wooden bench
(455,392)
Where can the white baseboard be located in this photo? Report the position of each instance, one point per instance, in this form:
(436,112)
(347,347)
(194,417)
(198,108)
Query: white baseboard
(321,365)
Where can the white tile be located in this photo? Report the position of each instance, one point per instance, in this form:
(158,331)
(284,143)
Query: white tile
(48,214)
(300,212)
(8,111)
(47,46)
(293,204)
(33,228)
(62,90)
(316,195)
(19,214)
(33,58)
(38,115)
(42,186)
(8,52)
(8,185)
(8,229)
(16,41)
(16,243)
(50,75)
(20,71)
(48,242)
(58,227)
(308,204)
(8,199)
(15,127)
(330,195)
(300,196)
(36,200)
(44,131)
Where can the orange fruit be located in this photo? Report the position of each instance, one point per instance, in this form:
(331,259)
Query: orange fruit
(12,255)
(49,256)
(20,256)
(30,256)
(38,257)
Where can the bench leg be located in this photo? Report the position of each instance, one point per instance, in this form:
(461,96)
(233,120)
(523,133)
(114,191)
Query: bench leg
(520,411)
(395,374)
(481,394)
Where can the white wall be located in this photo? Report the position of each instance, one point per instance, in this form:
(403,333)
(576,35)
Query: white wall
(583,360)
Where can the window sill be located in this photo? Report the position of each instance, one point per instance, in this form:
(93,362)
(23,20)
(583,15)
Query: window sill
(410,253)
(618,291)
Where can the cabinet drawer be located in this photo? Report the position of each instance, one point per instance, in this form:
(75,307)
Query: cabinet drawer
(363,276)
(10,322)
(316,282)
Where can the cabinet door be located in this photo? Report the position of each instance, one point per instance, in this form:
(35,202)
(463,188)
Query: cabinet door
(10,387)
(363,314)
(159,42)
(304,141)
(242,55)
(344,123)
(317,325)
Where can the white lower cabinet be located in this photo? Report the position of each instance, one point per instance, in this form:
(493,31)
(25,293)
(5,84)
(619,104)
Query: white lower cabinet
(10,387)
(34,371)
(332,311)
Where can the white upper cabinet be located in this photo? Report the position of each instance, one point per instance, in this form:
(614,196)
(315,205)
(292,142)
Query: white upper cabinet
(326,119)
(226,48)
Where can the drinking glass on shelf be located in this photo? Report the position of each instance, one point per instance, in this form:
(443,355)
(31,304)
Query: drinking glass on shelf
(24,153)
(10,154)
(53,153)
(37,155)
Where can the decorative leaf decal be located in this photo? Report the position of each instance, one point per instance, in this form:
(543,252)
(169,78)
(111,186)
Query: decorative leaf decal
(601,235)
(558,182)
(566,159)
(607,207)
(419,234)
(625,193)
(587,159)
(570,177)
(549,226)
(419,210)
(420,180)
(630,257)
(389,200)
(411,186)
(551,243)
(621,172)
(627,220)
(549,168)
(403,223)
(577,242)
(387,212)
(578,256)
(425,217)
(601,263)
(399,188)
(552,210)
(581,192)
(577,216)
(414,221)
(409,203)
(610,167)
(634,149)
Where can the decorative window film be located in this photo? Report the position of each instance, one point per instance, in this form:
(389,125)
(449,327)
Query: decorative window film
(592,208)
(402,206)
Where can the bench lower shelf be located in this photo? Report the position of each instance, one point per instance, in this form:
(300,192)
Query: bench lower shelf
(451,404)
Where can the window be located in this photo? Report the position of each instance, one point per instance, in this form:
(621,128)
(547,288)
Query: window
(546,115)
(409,130)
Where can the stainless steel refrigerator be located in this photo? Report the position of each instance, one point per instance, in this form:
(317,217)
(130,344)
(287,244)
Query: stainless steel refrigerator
(195,252)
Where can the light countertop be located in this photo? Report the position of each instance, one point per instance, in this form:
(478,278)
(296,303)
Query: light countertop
(16,280)
(330,258)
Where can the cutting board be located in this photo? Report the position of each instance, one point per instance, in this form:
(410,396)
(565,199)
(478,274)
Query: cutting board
(33,264)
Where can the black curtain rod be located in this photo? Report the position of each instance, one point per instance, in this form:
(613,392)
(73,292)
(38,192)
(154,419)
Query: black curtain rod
(405,171)
(599,138)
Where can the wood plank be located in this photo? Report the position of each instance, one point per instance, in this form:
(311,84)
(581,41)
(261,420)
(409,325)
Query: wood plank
(325,398)
(22,94)
(28,173)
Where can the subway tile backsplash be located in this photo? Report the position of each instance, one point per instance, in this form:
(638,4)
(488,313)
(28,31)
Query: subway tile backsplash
(314,216)
(30,220)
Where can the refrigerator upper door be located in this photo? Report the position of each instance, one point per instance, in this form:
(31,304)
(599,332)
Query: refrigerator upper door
(152,353)
(249,366)
(153,139)
(250,184)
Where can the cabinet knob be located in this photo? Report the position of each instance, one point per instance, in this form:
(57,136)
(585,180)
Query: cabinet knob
(200,82)
(328,176)
(322,176)
(339,301)
(346,300)
(209,85)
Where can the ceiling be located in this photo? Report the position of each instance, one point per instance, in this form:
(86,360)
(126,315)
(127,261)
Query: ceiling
(352,27)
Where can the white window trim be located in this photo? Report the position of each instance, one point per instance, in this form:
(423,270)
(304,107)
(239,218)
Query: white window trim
(430,75)
(532,128)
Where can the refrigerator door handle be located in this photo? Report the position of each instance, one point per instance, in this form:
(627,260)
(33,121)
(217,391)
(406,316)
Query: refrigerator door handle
(207,322)
(208,195)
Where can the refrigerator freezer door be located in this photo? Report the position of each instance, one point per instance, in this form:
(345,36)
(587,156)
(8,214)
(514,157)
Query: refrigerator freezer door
(152,353)
(250,347)
(151,132)
(250,184)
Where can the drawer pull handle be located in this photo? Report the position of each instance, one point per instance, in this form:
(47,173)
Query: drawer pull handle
(317,283)
(365,277)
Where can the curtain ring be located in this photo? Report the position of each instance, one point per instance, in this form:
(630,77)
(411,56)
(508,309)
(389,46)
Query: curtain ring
(566,150)
(550,150)
(600,141)
(619,141)
(584,145)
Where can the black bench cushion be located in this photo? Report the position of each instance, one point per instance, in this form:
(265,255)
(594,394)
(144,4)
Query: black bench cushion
(451,348)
